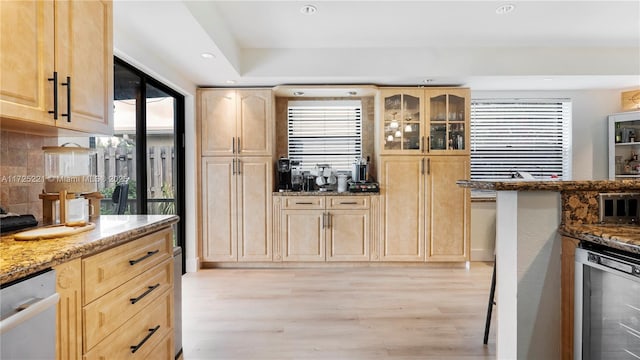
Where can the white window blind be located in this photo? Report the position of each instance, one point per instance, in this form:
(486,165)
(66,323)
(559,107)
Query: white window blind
(325,132)
(520,135)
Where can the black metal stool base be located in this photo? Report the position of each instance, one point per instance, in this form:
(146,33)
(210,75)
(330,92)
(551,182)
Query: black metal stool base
(492,293)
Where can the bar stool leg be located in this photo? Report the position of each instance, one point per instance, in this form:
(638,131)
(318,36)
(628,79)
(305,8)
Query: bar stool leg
(491,303)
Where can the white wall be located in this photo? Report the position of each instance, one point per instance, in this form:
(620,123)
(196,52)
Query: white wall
(590,109)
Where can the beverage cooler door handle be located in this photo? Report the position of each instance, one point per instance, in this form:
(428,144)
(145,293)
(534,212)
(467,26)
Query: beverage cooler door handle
(28,310)
(68,85)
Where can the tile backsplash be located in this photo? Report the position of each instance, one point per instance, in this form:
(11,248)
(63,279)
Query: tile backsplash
(22,172)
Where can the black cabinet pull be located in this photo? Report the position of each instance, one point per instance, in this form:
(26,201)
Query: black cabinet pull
(135,348)
(55,95)
(348,203)
(149,290)
(149,253)
(303,203)
(68,85)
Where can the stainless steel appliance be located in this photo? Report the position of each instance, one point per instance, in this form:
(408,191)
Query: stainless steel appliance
(607,304)
(284,174)
(28,318)
(360,171)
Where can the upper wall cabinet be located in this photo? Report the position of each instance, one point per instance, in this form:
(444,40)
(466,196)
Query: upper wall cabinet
(448,116)
(402,121)
(425,121)
(236,122)
(56,61)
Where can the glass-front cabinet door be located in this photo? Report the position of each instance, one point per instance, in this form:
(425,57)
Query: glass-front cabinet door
(402,130)
(448,115)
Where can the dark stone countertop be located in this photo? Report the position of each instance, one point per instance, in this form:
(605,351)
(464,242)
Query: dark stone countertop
(552,185)
(23,258)
(623,237)
(322,193)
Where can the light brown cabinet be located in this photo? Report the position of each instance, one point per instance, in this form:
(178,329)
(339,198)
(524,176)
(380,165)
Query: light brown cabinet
(324,228)
(57,62)
(432,121)
(425,215)
(236,145)
(118,300)
(236,208)
(236,122)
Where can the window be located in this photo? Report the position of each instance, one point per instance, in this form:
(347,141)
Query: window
(325,132)
(509,135)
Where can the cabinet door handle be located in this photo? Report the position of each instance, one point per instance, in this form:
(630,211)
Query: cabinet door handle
(303,203)
(233,145)
(428,166)
(233,167)
(429,144)
(238,144)
(55,95)
(348,203)
(422,144)
(323,219)
(68,85)
(135,348)
(147,292)
(149,254)
(239,164)
(328,220)
(422,166)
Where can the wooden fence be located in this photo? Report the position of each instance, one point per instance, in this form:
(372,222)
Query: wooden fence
(117,164)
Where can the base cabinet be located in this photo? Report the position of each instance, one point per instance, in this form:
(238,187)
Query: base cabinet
(236,208)
(425,215)
(324,228)
(118,303)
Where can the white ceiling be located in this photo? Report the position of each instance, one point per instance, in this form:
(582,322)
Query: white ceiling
(541,45)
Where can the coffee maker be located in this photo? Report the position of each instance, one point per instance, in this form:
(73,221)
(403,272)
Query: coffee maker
(284,174)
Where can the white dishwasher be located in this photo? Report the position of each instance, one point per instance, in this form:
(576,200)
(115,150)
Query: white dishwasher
(28,318)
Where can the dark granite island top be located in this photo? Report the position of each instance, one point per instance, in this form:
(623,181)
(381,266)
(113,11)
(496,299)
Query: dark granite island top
(23,258)
(551,185)
(622,237)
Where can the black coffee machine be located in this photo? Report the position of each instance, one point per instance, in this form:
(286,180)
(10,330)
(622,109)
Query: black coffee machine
(284,174)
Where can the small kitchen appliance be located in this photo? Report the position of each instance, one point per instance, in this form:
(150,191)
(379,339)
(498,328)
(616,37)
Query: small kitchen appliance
(284,174)
(360,171)
(70,185)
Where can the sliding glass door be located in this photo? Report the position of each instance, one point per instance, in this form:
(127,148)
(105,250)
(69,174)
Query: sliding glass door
(142,164)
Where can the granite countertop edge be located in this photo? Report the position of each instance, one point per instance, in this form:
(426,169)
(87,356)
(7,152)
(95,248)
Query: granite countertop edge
(19,259)
(322,193)
(551,185)
(625,238)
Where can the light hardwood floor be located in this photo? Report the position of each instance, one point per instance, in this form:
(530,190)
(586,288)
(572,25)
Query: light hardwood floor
(337,313)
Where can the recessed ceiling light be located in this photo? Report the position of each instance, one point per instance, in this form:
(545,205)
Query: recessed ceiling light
(308,9)
(505,9)
(207,55)
(230,81)
(298,93)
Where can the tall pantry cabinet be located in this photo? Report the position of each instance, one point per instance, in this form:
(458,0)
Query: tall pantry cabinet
(57,66)
(424,137)
(236,146)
